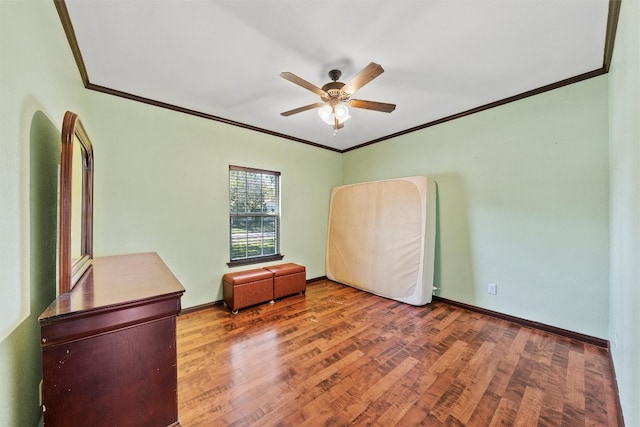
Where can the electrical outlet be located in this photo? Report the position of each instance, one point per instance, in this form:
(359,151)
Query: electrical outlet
(492,289)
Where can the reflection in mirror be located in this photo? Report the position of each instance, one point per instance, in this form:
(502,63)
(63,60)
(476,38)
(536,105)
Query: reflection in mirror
(76,203)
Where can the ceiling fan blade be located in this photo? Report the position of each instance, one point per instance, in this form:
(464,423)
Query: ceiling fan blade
(301,109)
(302,82)
(372,105)
(367,74)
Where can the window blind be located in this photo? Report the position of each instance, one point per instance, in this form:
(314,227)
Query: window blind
(254,213)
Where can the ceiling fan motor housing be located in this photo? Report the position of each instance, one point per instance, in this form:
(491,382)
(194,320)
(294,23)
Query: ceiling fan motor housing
(334,92)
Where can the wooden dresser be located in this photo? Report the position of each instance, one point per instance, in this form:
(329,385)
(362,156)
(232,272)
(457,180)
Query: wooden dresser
(109,346)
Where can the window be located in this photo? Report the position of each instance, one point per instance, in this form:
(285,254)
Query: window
(254,215)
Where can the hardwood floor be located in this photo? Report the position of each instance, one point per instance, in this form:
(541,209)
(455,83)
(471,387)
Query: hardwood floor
(339,357)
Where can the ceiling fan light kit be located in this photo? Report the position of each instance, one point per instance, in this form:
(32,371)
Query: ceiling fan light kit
(336,96)
(330,114)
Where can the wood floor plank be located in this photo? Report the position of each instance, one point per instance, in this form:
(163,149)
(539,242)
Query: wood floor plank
(574,407)
(505,414)
(529,409)
(338,356)
(393,406)
(475,381)
(485,410)
(356,400)
(551,410)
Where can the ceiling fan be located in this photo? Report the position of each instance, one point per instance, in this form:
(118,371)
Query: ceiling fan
(336,96)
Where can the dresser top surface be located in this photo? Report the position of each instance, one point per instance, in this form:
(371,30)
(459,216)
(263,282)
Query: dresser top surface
(115,281)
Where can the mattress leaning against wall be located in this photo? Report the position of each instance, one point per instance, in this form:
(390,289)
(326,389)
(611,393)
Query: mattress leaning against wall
(381,237)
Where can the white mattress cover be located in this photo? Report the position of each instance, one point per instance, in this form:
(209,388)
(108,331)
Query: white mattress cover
(381,237)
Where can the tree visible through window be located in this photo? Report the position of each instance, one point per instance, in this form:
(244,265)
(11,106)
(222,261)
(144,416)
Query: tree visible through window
(254,215)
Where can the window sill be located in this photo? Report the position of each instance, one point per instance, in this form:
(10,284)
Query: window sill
(256,260)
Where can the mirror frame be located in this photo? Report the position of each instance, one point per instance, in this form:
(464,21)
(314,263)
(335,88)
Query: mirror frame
(71,270)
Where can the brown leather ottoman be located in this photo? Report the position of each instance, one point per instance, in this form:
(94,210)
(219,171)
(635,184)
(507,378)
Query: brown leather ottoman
(288,279)
(245,288)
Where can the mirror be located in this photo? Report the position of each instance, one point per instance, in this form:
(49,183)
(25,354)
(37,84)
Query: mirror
(76,203)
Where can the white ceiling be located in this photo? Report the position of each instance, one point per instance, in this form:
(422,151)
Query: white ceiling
(441,57)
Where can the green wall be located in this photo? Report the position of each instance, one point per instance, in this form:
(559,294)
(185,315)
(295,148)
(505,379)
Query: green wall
(38,82)
(20,351)
(523,203)
(624,140)
(162,185)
